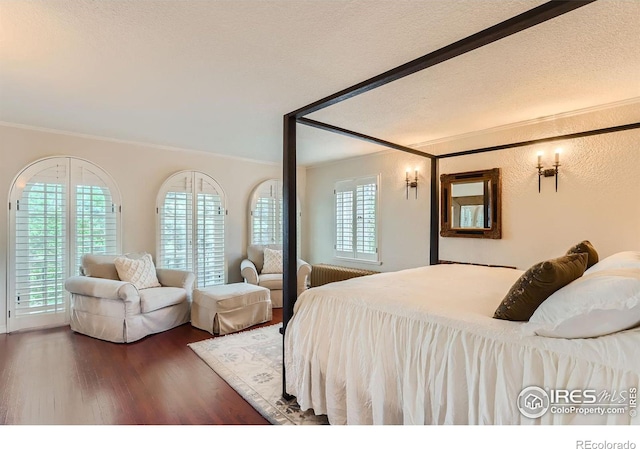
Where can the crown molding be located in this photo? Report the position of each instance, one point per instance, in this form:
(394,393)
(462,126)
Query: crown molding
(133,142)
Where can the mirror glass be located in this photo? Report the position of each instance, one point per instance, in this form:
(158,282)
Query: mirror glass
(470,204)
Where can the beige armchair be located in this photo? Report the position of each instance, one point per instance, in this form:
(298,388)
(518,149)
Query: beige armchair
(251,269)
(104,307)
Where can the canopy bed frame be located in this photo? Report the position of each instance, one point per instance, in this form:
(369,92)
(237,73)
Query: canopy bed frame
(526,20)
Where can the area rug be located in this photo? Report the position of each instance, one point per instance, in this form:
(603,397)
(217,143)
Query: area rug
(251,363)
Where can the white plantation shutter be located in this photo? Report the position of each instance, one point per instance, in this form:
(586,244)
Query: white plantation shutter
(210,232)
(176,223)
(61,208)
(41,243)
(266,213)
(191,232)
(344,223)
(96,213)
(356,211)
(366,240)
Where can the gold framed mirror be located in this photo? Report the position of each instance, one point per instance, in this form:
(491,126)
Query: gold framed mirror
(471,204)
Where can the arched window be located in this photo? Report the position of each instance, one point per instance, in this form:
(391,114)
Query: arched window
(266,214)
(191,210)
(60,209)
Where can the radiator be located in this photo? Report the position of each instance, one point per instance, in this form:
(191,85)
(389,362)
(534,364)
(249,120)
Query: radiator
(323,274)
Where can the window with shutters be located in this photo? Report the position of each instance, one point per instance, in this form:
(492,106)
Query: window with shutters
(96,221)
(61,208)
(266,213)
(356,212)
(191,235)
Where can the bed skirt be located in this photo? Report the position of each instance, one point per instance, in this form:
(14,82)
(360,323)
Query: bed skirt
(362,365)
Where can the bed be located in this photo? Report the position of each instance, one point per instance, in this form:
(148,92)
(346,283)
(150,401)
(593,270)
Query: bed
(420,346)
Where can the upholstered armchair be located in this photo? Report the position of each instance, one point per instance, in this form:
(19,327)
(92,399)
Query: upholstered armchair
(104,307)
(252,273)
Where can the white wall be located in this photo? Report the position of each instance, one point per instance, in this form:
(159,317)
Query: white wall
(598,197)
(139,172)
(598,193)
(403,227)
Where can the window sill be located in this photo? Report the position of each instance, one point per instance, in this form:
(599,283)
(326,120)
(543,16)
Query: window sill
(363,261)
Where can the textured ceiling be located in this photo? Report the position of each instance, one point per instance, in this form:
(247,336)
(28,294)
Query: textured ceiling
(219,75)
(585,58)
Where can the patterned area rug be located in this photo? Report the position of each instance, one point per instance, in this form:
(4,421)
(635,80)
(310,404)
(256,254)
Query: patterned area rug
(251,362)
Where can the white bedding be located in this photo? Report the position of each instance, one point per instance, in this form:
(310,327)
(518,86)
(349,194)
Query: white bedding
(420,346)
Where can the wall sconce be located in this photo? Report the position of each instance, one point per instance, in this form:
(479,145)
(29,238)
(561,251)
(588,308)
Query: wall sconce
(412,183)
(548,172)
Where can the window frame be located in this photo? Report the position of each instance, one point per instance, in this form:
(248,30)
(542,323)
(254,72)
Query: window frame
(70,267)
(253,200)
(116,204)
(166,188)
(351,185)
(273,184)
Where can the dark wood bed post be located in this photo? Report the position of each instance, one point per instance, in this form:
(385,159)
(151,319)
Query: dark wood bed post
(434,228)
(290,250)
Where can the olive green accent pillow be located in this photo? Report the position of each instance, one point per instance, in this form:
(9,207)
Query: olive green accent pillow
(99,266)
(537,284)
(585,247)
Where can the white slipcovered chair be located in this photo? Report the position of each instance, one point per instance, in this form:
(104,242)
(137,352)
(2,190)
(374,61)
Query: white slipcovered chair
(104,307)
(251,269)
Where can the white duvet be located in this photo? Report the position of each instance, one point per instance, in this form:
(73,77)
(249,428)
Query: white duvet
(420,346)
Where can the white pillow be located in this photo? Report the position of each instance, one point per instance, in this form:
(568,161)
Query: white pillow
(139,271)
(625,259)
(598,304)
(272,261)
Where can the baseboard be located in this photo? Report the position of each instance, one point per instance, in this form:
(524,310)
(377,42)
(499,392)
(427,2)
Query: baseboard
(3,329)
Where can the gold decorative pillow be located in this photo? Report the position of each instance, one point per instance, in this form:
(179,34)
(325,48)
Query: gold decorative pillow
(141,272)
(537,284)
(585,247)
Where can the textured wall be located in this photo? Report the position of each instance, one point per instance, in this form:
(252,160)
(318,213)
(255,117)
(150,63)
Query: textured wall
(139,172)
(598,193)
(403,227)
(598,197)
(597,200)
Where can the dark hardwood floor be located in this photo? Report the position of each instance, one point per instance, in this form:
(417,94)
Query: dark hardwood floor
(57,376)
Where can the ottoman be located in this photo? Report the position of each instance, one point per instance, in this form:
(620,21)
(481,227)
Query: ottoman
(222,309)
